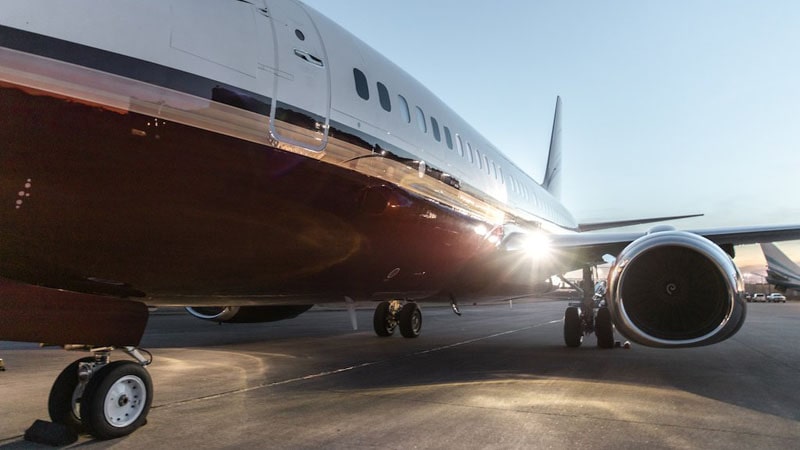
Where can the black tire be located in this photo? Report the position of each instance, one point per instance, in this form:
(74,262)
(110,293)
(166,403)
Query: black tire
(105,412)
(410,318)
(604,329)
(382,320)
(573,330)
(63,404)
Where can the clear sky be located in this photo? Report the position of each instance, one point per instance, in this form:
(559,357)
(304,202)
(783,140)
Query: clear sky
(669,107)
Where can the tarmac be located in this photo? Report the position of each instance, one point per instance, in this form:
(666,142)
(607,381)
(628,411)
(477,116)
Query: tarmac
(496,377)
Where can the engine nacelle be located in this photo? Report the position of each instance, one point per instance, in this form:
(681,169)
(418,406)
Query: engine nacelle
(676,289)
(247,314)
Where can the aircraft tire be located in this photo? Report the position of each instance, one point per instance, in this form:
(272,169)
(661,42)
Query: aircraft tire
(63,403)
(573,331)
(410,318)
(604,329)
(382,321)
(116,400)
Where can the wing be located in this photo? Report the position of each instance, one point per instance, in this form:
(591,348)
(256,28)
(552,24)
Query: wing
(594,226)
(589,248)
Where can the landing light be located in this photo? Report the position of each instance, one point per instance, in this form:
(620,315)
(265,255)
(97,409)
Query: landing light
(480,230)
(537,245)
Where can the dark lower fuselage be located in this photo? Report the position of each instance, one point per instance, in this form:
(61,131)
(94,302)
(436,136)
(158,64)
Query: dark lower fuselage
(117,202)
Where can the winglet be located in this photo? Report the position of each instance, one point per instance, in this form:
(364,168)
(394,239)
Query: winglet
(552,174)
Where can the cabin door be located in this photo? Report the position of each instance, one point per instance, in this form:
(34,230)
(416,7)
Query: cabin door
(301,107)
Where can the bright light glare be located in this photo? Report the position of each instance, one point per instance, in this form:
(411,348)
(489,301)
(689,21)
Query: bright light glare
(537,245)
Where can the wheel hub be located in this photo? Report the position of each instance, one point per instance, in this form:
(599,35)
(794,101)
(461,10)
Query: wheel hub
(125,401)
(416,322)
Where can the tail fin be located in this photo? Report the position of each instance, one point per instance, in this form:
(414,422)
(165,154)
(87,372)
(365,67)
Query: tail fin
(552,174)
(778,262)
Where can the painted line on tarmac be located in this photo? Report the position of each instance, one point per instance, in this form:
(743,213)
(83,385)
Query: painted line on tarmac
(345,369)
(470,341)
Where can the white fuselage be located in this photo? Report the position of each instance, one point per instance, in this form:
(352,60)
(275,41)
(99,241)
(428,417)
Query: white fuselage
(255,47)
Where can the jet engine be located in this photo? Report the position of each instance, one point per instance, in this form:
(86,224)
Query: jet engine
(675,289)
(247,314)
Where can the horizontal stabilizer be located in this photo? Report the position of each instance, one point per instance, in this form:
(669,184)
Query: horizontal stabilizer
(624,223)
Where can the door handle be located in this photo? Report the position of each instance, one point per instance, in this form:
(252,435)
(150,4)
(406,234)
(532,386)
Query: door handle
(308,57)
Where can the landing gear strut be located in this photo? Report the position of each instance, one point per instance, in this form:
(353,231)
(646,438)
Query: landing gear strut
(390,314)
(591,315)
(102,398)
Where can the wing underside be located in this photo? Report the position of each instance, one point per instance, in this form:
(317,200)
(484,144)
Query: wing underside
(590,247)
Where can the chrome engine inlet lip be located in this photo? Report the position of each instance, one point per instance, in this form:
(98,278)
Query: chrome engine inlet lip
(735,310)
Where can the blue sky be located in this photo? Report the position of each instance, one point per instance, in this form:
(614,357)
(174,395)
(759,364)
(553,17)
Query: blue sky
(669,107)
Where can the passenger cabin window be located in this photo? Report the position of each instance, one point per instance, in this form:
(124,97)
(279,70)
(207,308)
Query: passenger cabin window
(486,164)
(459,146)
(448,138)
(471,153)
(383,96)
(404,112)
(362,88)
(478,159)
(421,120)
(435,128)
(500,175)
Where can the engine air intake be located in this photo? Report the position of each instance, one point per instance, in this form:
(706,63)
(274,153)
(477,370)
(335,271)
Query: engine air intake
(676,289)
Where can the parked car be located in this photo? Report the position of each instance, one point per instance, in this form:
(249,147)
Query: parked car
(759,298)
(776,298)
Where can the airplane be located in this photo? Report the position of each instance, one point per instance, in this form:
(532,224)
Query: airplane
(247,159)
(781,271)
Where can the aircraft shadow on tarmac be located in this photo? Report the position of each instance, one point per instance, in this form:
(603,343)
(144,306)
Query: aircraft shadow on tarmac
(735,372)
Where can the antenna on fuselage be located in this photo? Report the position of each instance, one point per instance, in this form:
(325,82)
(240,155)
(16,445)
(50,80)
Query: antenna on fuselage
(552,175)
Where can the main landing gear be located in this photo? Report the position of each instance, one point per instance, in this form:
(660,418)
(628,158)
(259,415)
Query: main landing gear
(579,321)
(102,398)
(589,316)
(390,314)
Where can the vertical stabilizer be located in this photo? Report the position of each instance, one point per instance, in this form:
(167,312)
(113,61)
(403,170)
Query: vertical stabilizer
(552,175)
(778,263)
(781,271)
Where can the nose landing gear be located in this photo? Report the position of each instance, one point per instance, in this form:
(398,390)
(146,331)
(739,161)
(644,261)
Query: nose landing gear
(102,398)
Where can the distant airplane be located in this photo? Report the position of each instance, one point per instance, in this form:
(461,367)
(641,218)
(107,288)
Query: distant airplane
(781,271)
(250,158)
